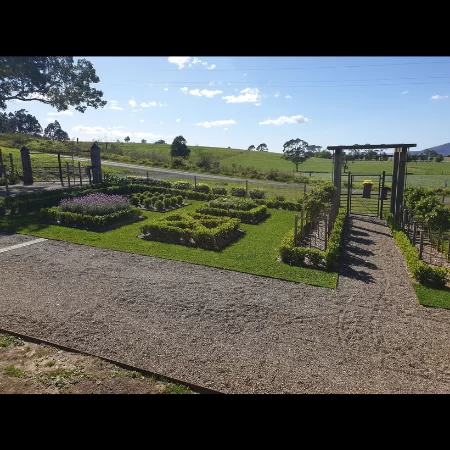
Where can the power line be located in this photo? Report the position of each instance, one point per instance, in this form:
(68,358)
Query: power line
(308,68)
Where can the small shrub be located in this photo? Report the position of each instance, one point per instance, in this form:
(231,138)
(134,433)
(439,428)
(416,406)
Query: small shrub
(238,192)
(219,191)
(179,199)
(167,195)
(257,193)
(159,205)
(202,187)
(177,163)
(167,203)
(160,197)
(280,198)
(173,201)
(182,185)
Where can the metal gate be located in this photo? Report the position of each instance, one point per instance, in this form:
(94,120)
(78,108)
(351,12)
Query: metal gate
(367,195)
(58,168)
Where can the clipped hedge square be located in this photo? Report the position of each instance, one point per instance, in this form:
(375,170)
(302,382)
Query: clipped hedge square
(193,229)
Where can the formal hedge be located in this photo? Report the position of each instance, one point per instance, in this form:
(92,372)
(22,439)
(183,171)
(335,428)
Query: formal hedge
(87,221)
(193,229)
(328,259)
(425,274)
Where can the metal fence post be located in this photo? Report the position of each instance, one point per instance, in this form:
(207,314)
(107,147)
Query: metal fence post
(326,232)
(414,233)
(421,245)
(79,171)
(68,173)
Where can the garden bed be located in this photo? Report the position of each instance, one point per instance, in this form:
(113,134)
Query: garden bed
(246,210)
(194,230)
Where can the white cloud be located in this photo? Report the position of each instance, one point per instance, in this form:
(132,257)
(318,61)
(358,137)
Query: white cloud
(166,89)
(216,123)
(257,104)
(181,61)
(404,92)
(147,105)
(284,119)
(248,95)
(439,97)
(142,120)
(133,103)
(225,129)
(162,123)
(204,93)
(276,95)
(185,90)
(178,120)
(211,83)
(245,74)
(288,96)
(162,104)
(117,108)
(115,132)
(61,113)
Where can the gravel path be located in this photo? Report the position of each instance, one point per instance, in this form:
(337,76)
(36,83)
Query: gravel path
(235,332)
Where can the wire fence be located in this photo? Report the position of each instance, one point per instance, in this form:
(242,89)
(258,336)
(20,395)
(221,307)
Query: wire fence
(433,247)
(314,231)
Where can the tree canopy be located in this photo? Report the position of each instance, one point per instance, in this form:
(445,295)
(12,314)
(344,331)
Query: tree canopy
(179,148)
(20,122)
(296,150)
(54,132)
(160,141)
(53,80)
(262,148)
(252,147)
(127,139)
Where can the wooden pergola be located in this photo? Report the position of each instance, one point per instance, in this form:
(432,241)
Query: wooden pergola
(398,173)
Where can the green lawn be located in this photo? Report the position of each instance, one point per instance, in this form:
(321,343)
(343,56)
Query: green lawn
(255,253)
(438,298)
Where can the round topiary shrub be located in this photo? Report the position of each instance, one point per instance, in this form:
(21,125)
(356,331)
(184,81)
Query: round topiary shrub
(219,191)
(167,195)
(173,201)
(257,193)
(159,205)
(167,203)
(147,202)
(202,187)
(179,199)
(161,197)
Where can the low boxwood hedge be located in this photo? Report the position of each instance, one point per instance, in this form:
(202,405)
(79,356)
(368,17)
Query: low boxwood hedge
(328,259)
(252,216)
(425,274)
(75,220)
(193,229)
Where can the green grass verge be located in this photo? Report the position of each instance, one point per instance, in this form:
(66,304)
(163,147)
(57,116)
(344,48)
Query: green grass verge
(428,296)
(256,253)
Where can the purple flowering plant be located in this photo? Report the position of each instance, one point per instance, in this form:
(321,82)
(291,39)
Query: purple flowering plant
(95,204)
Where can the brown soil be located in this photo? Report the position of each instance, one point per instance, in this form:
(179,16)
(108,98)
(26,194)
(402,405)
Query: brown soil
(29,368)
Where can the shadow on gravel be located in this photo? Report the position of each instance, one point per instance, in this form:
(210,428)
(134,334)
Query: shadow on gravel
(358,233)
(360,240)
(352,260)
(359,251)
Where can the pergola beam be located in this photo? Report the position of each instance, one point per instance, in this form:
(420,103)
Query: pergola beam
(368,146)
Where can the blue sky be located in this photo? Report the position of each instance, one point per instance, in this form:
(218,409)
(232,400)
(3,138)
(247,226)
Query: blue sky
(240,101)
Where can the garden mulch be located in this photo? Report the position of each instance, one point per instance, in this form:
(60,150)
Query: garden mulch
(236,332)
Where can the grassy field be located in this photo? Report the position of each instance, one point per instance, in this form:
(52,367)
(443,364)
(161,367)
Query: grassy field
(430,174)
(255,253)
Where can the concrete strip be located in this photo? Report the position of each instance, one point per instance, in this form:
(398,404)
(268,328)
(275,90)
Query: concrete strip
(23,244)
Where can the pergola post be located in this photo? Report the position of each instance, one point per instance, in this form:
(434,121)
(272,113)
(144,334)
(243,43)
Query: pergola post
(394,179)
(337,171)
(403,155)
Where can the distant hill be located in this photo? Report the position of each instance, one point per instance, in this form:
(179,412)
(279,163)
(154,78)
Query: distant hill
(443,149)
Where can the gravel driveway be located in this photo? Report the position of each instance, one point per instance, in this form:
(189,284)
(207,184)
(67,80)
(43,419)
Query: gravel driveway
(235,332)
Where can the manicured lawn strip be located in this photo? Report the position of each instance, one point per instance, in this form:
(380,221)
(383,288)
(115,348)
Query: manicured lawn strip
(439,298)
(256,253)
